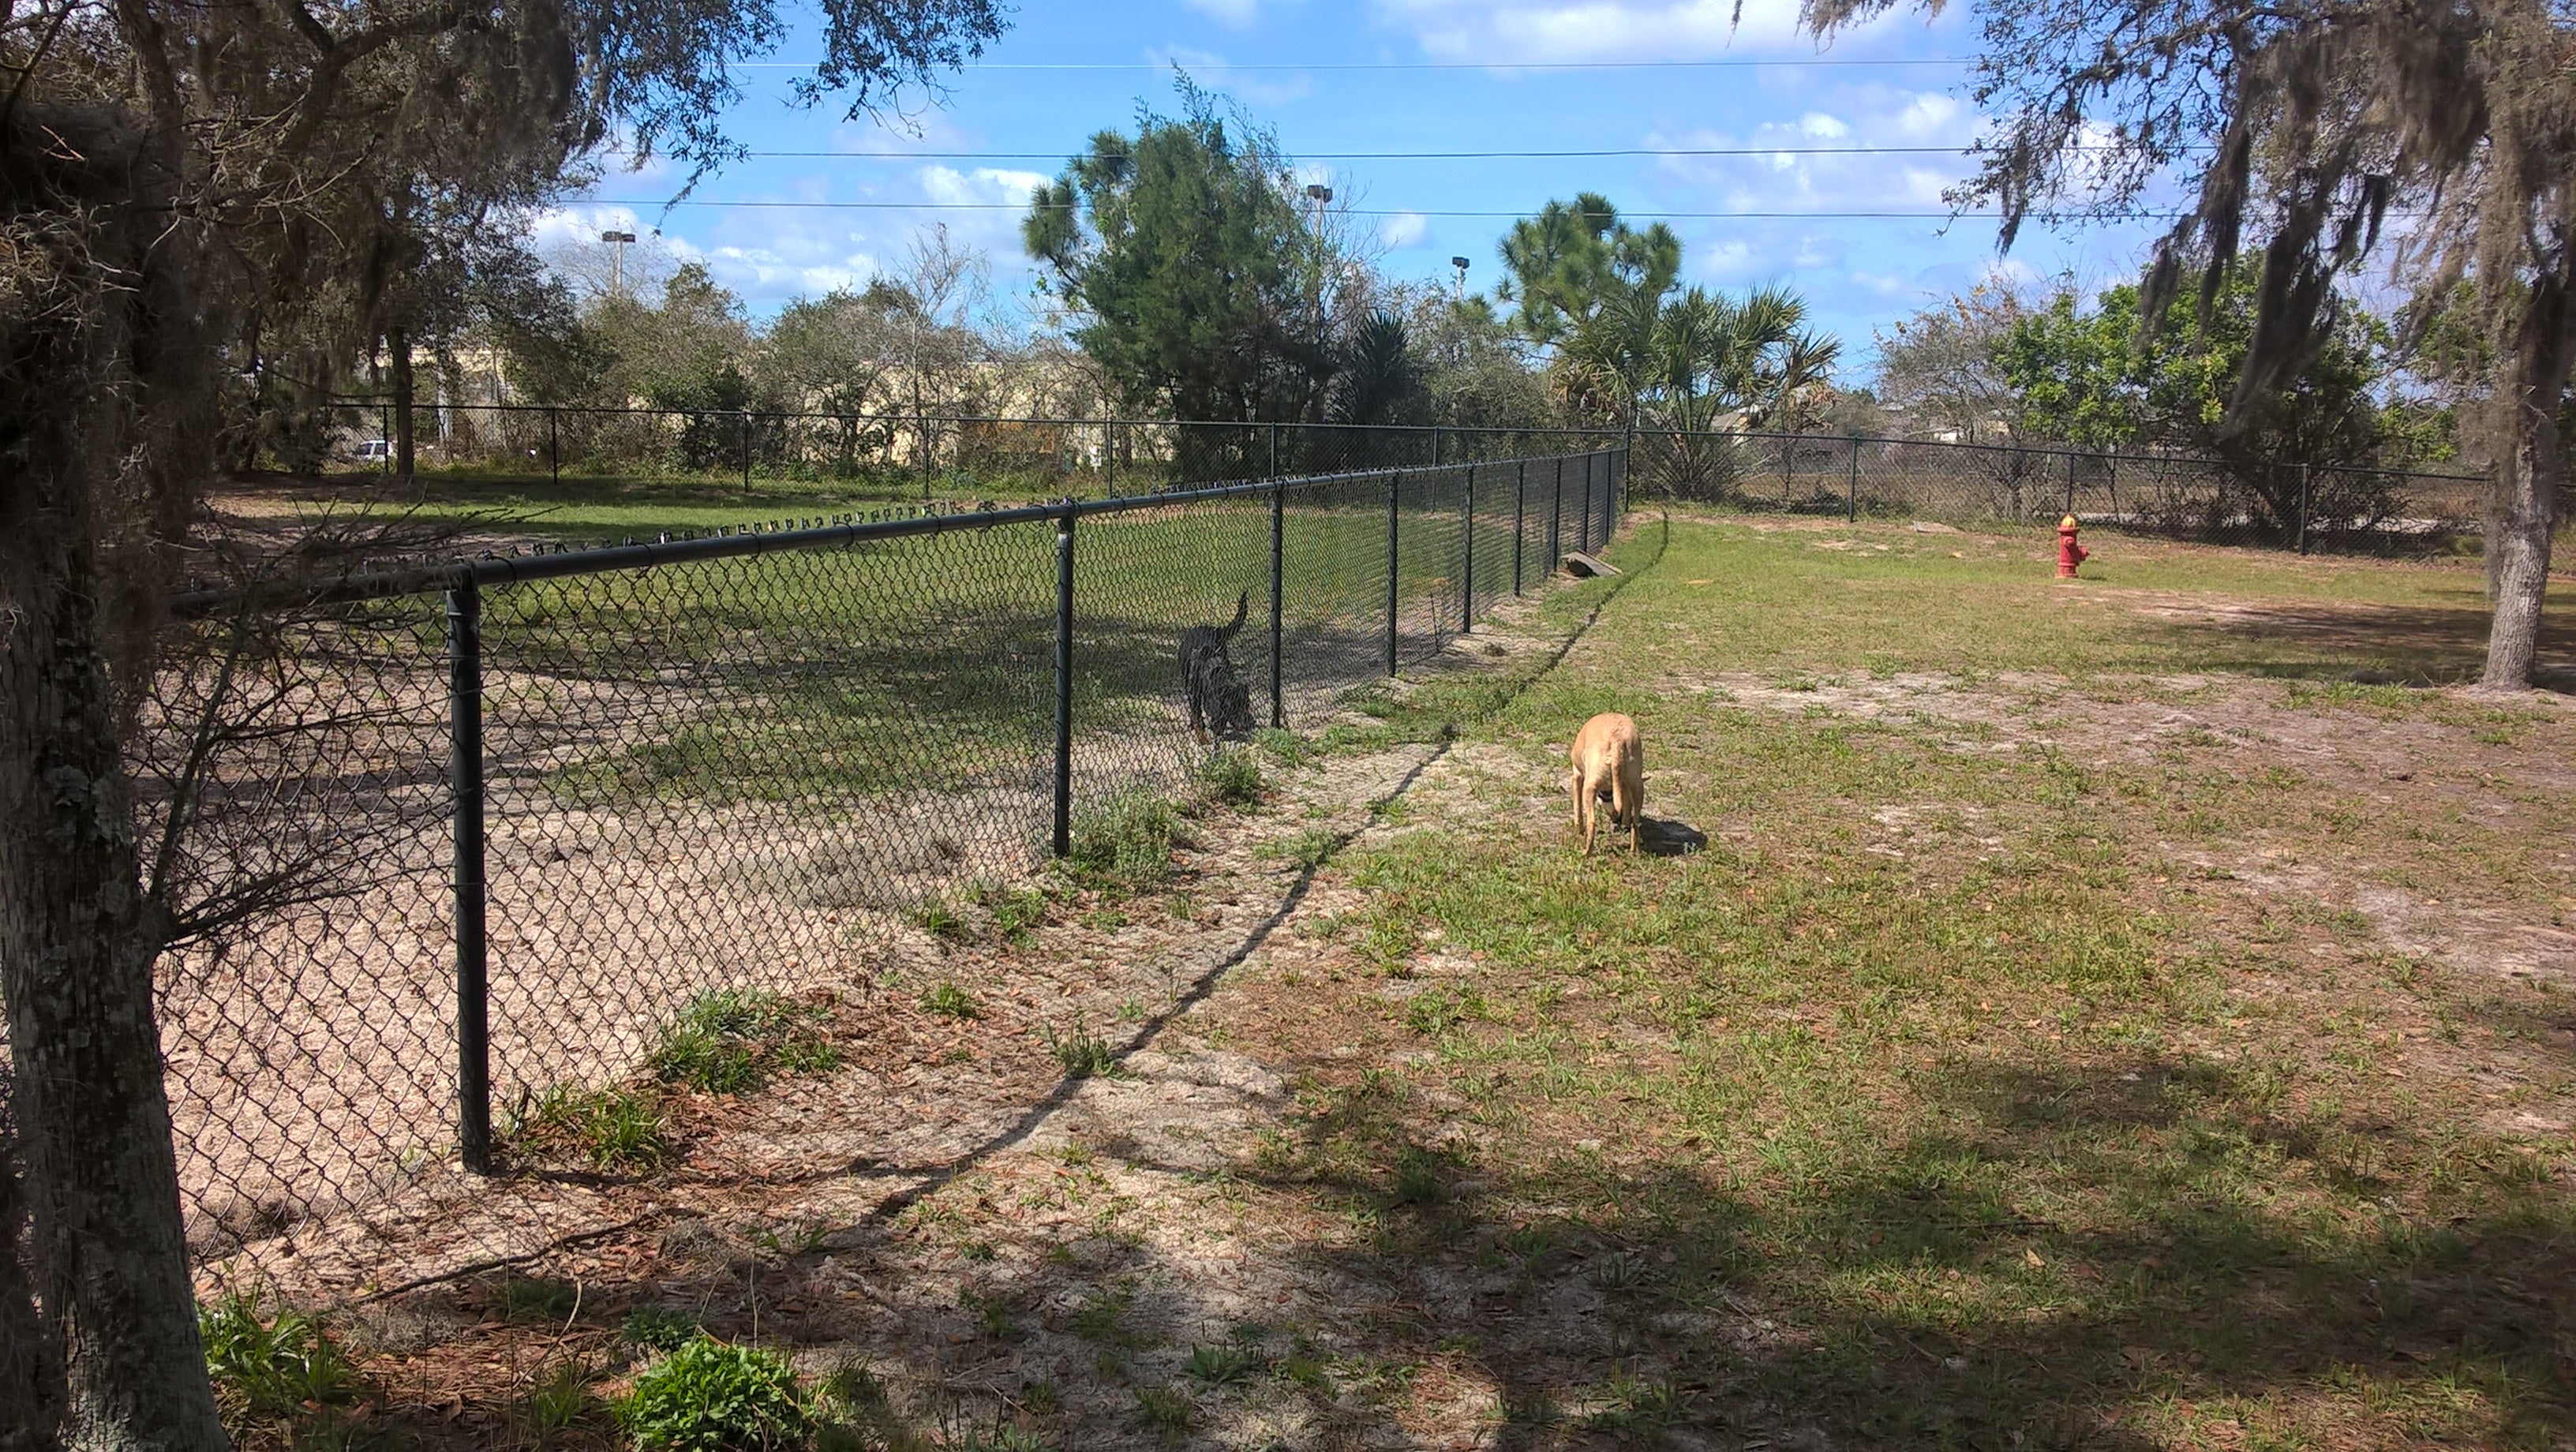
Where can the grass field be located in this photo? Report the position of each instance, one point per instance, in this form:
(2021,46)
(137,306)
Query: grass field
(2122,1013)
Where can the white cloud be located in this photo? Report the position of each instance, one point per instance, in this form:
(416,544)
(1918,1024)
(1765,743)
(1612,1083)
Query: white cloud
(1237,13)
(984,185)
(1405,229)
(1506,32)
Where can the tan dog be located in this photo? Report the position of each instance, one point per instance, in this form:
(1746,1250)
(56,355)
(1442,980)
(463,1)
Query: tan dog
(1609,761)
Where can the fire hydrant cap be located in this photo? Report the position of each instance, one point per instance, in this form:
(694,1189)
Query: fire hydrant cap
(2067,523)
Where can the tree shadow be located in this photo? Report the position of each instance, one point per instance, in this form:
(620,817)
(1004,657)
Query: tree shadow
(1916,1298)
(2374,644)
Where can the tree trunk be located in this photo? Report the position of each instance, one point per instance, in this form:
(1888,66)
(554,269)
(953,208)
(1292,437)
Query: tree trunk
(2522,509)
(31,1387)
(77,944)
(398,343)
(107,391)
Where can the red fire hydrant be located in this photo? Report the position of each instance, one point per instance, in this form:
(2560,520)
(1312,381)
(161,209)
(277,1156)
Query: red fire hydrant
(2069,553)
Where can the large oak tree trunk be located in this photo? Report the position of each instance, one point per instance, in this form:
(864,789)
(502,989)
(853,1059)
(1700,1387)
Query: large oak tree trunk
(2523,510)
(105,419)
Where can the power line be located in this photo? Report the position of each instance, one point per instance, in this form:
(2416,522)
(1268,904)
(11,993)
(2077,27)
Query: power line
(1736,63)
(1423,155)
(1354,212)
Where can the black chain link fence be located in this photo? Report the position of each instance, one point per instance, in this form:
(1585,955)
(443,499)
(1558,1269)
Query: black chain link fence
(2272,503)
(454,841)
(926,455)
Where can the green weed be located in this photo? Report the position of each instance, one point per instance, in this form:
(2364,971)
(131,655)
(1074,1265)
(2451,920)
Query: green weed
(614,1129)
(272,1369)
(1221,1365)
(658,1328)
(947,1000)
(729,1041)
(1083,1054)
(1232,777)
(1166,1409)
(1125,845)
(709,1396)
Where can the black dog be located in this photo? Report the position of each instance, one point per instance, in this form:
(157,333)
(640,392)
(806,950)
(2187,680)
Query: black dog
(1218,701)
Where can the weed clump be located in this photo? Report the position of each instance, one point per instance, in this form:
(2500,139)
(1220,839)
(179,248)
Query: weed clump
(1232,777)
(1126,845)
(614,1129)
(270,1372)
(731,1040)
(1083,1054)
(948,1000)
(708,1396)
(658,1328)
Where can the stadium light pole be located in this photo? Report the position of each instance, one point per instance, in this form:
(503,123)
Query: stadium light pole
(617,259)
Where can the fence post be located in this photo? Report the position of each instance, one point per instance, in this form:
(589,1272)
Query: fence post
(554,442)
(465,786)
(1520,507)
(746,451)
(2303,509)
(1063,840)
(1394,505)
(1467,594)
(1556,519)
(1278,579)
(2070,482)
(1585,531)
(385,431)
(1274,451)
(1851,493)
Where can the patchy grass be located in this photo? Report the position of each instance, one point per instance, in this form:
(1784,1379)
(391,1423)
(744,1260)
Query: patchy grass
(731,1041)
(610,1129)
(1125,845)
(2119,1014)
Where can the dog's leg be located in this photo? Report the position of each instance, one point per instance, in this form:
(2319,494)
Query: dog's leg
(1621,807)
(1591,813)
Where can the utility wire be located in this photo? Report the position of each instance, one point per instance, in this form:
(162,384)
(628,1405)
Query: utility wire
(1423,155)
(1354,212)
(1740,63)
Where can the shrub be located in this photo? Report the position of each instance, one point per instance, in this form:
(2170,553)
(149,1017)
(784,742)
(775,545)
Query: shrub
(708,1396)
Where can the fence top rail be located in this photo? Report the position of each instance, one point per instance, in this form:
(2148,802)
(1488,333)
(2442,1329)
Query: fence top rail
(752,540)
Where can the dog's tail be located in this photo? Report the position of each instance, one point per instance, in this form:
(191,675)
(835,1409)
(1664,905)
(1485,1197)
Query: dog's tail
(1242,607)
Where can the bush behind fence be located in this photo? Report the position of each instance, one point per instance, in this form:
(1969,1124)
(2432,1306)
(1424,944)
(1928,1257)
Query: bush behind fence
(467,841)
(2273,503)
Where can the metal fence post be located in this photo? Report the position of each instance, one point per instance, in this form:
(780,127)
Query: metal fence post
(1274,451)
(1851,494)
(1556,519)
(465,786)
(746,452)
(2303,509)
(554,442)
(1467,524)
(1063,841)
(1278,582)
(2070,482)
(1394,506)
(1520,507)
(1582,533)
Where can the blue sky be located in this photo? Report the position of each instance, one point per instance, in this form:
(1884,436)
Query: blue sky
(1408,76)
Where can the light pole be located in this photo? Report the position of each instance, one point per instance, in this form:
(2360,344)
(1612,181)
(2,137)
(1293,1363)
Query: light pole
(617,259)
(1460,263)
(1321,196)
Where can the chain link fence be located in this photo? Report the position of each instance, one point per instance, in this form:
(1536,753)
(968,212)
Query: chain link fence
(452,842)
(2283,504)
(932,455)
